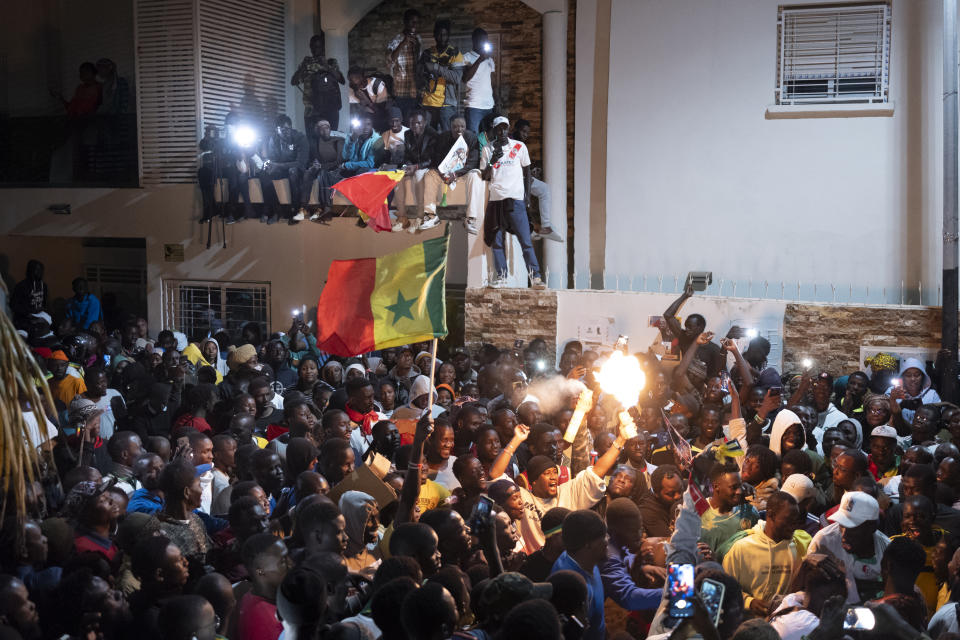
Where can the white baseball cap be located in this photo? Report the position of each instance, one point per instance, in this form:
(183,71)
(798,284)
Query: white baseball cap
(856,507)
(799,486)
(500,120)
(884,431)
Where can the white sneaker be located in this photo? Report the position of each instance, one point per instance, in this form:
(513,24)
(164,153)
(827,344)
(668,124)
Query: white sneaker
(300,215)
(414,225)
(397,227)
(553,235)
(499,282)
(429,222)
(471,226)
(315,217)
(537,283)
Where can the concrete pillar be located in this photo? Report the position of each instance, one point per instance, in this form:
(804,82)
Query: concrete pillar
(555,141)
(336,47)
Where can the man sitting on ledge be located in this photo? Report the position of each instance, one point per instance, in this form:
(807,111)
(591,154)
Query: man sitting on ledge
(467,177)
(417,156)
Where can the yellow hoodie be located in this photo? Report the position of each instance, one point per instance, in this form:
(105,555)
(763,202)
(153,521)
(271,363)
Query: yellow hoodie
(763,568)
(193,354)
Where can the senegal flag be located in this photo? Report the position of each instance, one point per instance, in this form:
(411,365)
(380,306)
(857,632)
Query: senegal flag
(375,303)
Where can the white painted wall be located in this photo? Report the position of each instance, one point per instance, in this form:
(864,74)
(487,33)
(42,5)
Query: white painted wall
(699,179)
(580,313)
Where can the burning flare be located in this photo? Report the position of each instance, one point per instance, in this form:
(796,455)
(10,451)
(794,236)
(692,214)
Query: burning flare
(622,377)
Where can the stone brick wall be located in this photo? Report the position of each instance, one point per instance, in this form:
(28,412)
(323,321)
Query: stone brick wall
(832,335)
(518,26)
(500,316)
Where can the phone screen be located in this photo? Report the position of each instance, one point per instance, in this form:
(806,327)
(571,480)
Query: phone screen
(711,593)
(776,391)
(859,618)
(680,590)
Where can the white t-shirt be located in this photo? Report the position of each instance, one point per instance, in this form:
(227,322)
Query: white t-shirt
(107,419)
(507,179)
(376,89)
(33,428)
(944,620)
(582,492)
(480,87)
(445,475)
(796,624)
(827,541)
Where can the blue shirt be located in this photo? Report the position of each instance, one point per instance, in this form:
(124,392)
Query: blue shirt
(620,587)
(143,501)
(598,627)
(83,312)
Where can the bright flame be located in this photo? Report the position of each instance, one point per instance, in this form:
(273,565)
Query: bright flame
(622,376)
(244,136)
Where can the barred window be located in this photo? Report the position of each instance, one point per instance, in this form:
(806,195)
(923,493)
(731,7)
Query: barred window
(833,54)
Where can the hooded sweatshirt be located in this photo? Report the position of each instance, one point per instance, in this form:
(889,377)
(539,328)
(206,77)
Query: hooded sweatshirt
(763,568)
(356,508)
(926,396)
(194,353)
(784,420)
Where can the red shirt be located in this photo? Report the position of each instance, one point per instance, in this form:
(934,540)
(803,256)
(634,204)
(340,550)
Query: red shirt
(88,541)
(257,619)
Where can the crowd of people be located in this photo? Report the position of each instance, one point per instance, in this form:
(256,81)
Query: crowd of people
(409,118)
(252,487)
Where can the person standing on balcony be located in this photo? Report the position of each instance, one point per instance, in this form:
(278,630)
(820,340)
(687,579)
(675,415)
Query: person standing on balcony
(505,164)
(538,189)
(285,156)
(438,77)
(30,294)
(478,76)
(402,54)
(319,79)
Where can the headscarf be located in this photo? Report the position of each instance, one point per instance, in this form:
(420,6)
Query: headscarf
(444,385)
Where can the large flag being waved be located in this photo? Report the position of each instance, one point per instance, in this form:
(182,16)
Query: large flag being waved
(368,192)
(375,303)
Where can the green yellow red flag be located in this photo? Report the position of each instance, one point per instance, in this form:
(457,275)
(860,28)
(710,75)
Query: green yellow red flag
(375,303)
(368,192)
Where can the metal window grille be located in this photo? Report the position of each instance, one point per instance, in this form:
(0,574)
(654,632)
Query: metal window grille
(833,54)
(195,306)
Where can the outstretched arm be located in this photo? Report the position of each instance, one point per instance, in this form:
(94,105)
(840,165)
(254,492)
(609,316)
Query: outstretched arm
(670,315)
(499,466)
(411,483)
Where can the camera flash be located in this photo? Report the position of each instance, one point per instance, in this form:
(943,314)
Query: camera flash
(487,47)
(752,333)
(807,363)
(355,123)
(296,312)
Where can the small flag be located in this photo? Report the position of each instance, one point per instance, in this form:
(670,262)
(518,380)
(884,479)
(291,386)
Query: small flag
(368,192)
(376,303)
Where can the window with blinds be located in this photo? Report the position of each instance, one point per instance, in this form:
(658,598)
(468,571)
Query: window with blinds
(833,54)
(197,60)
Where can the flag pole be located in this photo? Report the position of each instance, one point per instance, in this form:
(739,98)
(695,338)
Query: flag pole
(433,368)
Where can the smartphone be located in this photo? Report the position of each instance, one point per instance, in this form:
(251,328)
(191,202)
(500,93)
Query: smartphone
(480,516)
(776,391)
(658,440)
(106,359)
(711,593)
(861,618)
(680,590)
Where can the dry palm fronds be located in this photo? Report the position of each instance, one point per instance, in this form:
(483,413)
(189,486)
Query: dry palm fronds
(22,383)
